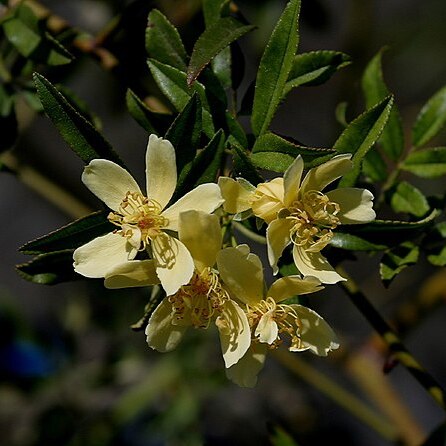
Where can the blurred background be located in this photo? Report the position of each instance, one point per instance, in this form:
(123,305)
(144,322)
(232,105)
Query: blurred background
(72,371)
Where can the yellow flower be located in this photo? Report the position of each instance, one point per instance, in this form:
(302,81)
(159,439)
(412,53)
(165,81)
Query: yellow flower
(298,212)
(203,299)
(144,222)
(269,318)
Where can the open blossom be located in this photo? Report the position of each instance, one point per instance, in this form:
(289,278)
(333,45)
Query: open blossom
(144,222)
(298,212)
(271,321)
(204,299)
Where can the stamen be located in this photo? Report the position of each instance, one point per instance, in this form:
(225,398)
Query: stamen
(140,216)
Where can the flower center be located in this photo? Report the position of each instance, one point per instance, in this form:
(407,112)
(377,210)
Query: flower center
(140,217)
(200,300)
(315,217)
(265,316)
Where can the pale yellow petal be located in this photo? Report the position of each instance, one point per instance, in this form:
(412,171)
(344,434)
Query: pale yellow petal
(237,197)
(161,170)
(109,182)
(235,333)
(291,180)
(206,198)
(102,254)
(289,286)
(321,176)
(161,334)
(315,264)
(242,273)
(245,372)
(315,334)
(278,238)
(174,264)
(356,205)
(267,330)
(134,273)
(268,200)
(201,234)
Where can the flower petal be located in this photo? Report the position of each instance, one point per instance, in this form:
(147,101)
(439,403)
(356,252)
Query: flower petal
(161,170)
(161,334)
(96,258)
(245,372)
(109,182)
(315,334)
(278,238)
(201,234)
(268,200)
(291,180)
(236,195)
(206,197)
(289,286)
(314,264)
(267,330)
(242,273)
(321,176)
(356,204)
(174,264)
(134,273)
(235,333)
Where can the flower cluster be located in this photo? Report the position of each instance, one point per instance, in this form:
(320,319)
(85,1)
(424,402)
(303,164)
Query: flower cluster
(180,246)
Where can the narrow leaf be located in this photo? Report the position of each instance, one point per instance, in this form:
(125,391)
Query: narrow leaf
(185,131)
(275,66)
(204,168)
(374,167)
(49,269)
(396,260)
(431,119)
(375,90)
(274,161)
(163,42)
(243,166)
(427,163)
(360,135)
(354,243)
(213,40)
(315,68)
(72,235)
(173,84)
(79,133)
(408,198)
(149,120)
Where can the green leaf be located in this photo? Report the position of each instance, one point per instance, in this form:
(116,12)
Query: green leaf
(72,235)
(213,10)
(427,163)
(375,90)
(243,166)
(360,135)
(397,259)
(341,113)
(173,84)
(49,269)
(275,161)
(315,68)
(280,437)
(79,133)
(163,42)
(236,130)
(149,120)
(204,168)
(439,258)
(185,131)
(213,40)
(354,243)
(431,119)
(408,198)
(275,66)
(28,35)
(374,167)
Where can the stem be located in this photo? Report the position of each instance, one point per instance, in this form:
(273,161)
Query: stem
(248,233)
(394,343)
(337,393)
